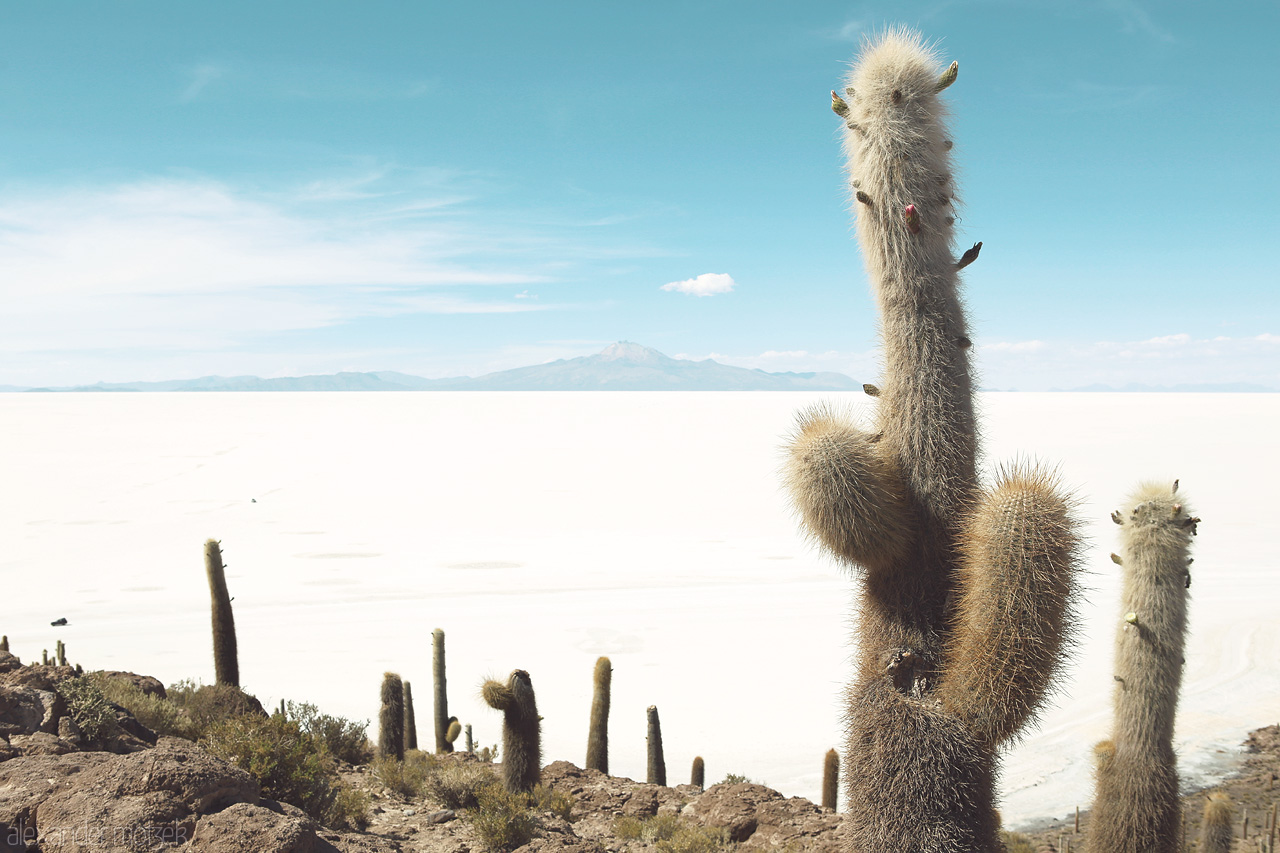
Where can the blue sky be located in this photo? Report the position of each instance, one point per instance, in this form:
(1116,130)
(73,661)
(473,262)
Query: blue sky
(447,189)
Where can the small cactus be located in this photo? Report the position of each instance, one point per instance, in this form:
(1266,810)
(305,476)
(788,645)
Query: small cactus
(656,766)
(521,729)
(598,731)
(391,718)
(440,694)
(698,776)
(1136,804)
(226,662)
(4,643)
(1216,827)
(410,721)
(830,779)
(471,744)
(62,653)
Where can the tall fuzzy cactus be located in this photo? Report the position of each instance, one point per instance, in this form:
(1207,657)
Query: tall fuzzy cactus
(410,719)
(656,763)
(964,606)
(698,773)
(391,717)
(1136,804)
(440,694)
(598,730)
(521,729)
(226,662)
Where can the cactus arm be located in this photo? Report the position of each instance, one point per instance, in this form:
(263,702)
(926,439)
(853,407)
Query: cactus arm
(849,496)
(1012,621)
(496,695)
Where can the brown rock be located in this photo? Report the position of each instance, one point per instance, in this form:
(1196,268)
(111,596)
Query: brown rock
(763,819)
(41,743)
(8,663)
(147,684)
(25,710)
(242,827)
(39,677)
(102,802)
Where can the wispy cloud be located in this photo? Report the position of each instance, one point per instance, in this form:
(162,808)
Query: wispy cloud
(300,82)
(1164,360)
(201,76)
(197,264)
(706,284)
(1135,19)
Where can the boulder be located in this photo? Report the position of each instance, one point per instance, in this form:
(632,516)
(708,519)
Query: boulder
(258,828)
(27,710)
(103,802)
(760,818)
(8,663)
(145,683)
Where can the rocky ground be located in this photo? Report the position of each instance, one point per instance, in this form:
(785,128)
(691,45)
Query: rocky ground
(60,792)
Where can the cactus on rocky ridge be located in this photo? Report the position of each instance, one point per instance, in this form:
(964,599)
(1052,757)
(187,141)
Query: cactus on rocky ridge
(521,729)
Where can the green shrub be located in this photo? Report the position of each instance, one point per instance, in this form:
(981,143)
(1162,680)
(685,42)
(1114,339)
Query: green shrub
(160,715)
(545,799)
(670,834)
(408,778)
(735,779)
(457,785)
(349,810)
(207,704)
(503,820)
(89,709)
(291,765)
(345,739)
(1015,842)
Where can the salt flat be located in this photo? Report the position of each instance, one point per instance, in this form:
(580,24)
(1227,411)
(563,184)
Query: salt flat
(541,530)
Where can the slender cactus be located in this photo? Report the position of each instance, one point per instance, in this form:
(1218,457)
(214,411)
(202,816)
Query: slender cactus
(4,643)
(391,718)
(521,729)
(964,609)
(698,776)
(830,779)
(471,744)
(440,694)
(598,733)
(226,663)
(1136,805)
(410,721)
(656,766)
(62,653)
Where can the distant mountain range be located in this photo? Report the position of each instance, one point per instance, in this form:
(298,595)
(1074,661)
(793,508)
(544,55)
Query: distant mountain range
(623,366)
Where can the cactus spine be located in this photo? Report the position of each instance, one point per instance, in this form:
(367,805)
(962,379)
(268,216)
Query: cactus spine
(1136,805)
(1215,829)
(391,718)
(226,663)
(521,729)
(830,779)
(410,722)
(440,695)
(964,605)
(656,766)
(598,732)
(698,776)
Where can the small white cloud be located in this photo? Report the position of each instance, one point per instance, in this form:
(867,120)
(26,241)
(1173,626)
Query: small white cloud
(524,294)
(704,285)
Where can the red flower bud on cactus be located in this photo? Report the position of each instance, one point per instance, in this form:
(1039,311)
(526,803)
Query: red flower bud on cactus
(913,219)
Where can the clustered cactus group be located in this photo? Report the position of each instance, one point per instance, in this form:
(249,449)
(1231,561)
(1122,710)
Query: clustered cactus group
(966,590)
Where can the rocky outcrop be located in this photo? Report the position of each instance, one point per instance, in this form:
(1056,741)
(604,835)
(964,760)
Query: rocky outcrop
(762,819)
